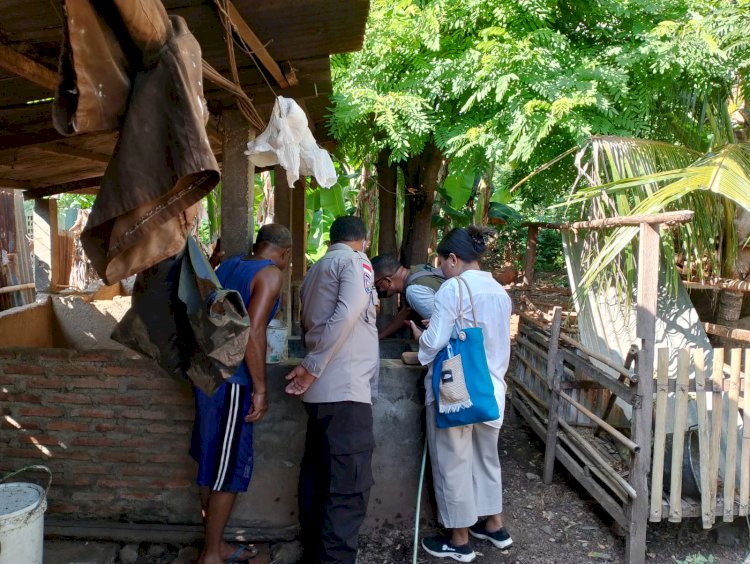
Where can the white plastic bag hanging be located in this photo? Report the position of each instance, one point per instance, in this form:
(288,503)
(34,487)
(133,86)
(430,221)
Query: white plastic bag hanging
(288,141)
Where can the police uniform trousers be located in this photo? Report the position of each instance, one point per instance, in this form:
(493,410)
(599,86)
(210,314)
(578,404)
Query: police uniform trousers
(335,479)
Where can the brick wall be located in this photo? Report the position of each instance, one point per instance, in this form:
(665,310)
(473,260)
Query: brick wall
(113,430)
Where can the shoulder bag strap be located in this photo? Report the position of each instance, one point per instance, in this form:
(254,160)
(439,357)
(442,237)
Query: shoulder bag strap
(462,282)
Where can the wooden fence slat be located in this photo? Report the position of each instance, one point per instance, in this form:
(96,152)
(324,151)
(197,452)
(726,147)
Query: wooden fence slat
(657,475)
(589,371)
(678,436)
(730,468)
(745,464)
(535,371)
(717,405)
(703,444)
(554,369)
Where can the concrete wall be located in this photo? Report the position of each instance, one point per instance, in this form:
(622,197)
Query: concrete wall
(115,432)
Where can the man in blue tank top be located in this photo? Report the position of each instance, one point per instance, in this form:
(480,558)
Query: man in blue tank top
(222,441)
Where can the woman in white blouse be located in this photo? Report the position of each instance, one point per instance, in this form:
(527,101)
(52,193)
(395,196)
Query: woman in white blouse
(465,460)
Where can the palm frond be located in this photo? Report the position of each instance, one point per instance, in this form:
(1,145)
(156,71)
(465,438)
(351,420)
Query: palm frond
(711,186)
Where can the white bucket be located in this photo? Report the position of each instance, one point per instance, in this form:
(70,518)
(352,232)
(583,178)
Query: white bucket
(22,509)
(277,341)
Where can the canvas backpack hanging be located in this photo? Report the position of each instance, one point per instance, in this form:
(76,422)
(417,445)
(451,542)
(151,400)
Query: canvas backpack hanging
(183,318)
(461,377)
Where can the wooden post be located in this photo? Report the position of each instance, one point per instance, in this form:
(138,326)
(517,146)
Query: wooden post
(530,264)
(648,288)
(282,198)
(745,462)
(299,249)
(45,244)
(554,374)
(237,186)
(282,214)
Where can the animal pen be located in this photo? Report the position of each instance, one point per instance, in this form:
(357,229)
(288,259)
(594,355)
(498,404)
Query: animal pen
(652,467)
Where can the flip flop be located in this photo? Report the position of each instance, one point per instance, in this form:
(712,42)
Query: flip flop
(249,548)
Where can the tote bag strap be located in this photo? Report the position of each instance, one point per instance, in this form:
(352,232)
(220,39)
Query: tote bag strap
(461,284)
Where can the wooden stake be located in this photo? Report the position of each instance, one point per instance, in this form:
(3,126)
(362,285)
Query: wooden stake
(703,442)
(717,378)
(678,436)
(553,381)
(530,264)
(745,463)
(730,466)
(660,431)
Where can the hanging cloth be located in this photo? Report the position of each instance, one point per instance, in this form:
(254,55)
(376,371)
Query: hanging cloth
(163,163)
(288,141)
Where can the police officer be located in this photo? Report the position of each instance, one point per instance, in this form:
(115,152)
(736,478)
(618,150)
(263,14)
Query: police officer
(417,284)
(337,380)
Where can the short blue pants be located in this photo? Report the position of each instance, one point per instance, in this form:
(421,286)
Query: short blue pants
(222,441)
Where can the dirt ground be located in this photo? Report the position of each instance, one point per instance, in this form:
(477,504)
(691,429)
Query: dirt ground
(559,523)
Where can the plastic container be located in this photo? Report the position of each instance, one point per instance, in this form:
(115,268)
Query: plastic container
(277,338)
(22,508)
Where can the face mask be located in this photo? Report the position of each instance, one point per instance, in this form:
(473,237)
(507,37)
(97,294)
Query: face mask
(382,294)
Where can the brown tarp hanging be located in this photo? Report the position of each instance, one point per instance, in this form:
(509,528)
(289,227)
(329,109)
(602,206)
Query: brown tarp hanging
(127,64)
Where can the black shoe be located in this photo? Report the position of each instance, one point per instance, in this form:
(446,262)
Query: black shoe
(443,548)
(500,538)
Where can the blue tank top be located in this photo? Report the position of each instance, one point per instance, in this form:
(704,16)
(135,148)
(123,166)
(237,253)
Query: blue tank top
(237,273)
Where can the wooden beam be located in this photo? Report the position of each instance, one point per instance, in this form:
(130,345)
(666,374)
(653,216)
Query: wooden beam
(63,149)
(668,218)
(727,332)
(259,50)
(290,74)
(76,186)
(13,61)
(214,136)
(16,140)
(14,184)
(17,288)
(719,284)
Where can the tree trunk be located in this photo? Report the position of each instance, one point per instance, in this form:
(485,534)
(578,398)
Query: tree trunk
(730,303)
(387,178)
(367,202)
(421,174)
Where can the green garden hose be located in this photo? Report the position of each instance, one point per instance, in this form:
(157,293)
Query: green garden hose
(419,504)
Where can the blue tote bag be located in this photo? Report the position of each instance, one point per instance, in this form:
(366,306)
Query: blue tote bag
(461,379)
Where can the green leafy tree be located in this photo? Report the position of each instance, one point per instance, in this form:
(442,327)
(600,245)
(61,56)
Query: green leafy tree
(446,92)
